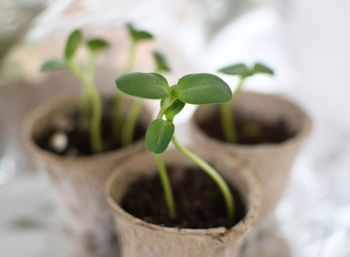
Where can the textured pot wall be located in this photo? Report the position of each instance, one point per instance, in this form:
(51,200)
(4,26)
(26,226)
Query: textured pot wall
(79,183)
(139,238)
(271,163)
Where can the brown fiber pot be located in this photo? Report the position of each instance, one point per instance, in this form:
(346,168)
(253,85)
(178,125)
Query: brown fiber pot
(139,238)
(271,163)
(79,182)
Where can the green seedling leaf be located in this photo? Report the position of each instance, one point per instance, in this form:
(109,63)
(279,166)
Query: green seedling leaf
(138,35)
(97,44)
(239,69)
(72,44)
(53,65)
(202,88)
(262,68)
(159,135)
(174,109)
(144,85)
(160,61)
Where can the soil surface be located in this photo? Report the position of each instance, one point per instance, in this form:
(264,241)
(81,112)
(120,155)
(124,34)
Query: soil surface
(67,131)
(199,202)
(251,130)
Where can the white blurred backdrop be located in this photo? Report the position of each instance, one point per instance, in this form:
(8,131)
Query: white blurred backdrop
(306,41)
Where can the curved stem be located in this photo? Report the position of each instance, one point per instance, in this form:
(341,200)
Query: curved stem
(96,106)
(84,96)
(215,176)
(129,126)
(168,193)
(226,116)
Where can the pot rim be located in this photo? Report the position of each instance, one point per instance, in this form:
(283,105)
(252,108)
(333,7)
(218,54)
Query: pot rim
(46,107)
(253,203)
(298,137)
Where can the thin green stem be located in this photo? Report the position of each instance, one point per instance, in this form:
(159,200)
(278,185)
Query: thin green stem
(168,193)
(227,122)
(84,109)
(215,176)
(164,178)
(131,57)
(119,98)
(226,116)
(129,126)
(84,98)
(96,106)
(96,118)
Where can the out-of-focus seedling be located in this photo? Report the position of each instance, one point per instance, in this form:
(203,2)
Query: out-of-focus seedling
(128,129)
(90,114)
(226,110)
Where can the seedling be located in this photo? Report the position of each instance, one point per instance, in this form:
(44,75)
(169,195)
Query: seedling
(226,109)
(127,131)
(201,88)
(90,104)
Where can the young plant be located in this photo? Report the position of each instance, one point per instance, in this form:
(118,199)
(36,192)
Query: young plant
(90,104)
(127,131)
(201,88)
(226,109)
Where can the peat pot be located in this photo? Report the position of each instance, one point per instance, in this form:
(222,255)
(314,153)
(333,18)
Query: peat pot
(270,161)
(141,238)
(79,181)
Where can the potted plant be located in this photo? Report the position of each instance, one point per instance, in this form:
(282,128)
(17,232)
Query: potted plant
(264,131)
(188,209)
(79,139)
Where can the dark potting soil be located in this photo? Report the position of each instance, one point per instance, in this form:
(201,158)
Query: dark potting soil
(78,140)
(199,202)
(251,130)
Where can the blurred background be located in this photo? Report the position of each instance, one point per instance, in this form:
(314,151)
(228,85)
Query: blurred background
(305,41)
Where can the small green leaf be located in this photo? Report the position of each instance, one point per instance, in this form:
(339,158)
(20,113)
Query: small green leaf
(145,85)
(73,41)
(97,44)
(202,88)
(262,68)
(159,135)
(53,65)
(239,69)
(160,61)
(138,35)
(174,109)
